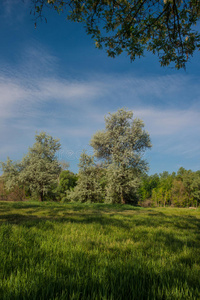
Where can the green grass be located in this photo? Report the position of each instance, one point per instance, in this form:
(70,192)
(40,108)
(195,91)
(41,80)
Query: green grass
(97,251)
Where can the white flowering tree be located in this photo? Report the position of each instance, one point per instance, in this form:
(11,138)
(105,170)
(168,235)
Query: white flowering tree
(121,146)
(38,170)
(113,174)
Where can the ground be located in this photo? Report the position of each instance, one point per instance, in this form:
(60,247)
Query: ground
(98,251)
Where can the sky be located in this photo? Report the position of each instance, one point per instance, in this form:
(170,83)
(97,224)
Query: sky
(53,79)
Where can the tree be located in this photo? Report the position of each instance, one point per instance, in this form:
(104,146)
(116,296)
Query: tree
(148,183)
(38,170)
(195,186)
(120,147)
(11,171)
(89,186)
(67,181)
(180,190)
(122,184)
(179,194)
(191,182)
(163,27)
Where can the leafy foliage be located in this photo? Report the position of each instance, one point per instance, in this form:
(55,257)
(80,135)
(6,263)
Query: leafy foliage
(123,141)
(17,193)
(38,170)
(121,146)
(181,189)
(163,27)
(67,181)
(122,185)
(148,184)
(89,186)
(119,149)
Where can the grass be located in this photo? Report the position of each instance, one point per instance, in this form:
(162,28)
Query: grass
(96,251)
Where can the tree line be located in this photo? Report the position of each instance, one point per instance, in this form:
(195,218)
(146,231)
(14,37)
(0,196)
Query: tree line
(181,189)
(115,173)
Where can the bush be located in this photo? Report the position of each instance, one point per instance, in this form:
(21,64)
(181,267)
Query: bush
(146,203)
(65,200)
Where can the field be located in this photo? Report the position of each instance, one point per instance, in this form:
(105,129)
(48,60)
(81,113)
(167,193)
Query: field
(97,251)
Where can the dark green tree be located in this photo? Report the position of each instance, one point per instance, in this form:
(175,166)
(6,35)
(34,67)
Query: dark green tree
(67,181)
(148,183)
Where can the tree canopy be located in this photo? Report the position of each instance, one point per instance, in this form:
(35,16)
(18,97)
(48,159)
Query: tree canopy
(181,189)
(121,146)
(123,141)
(38,170)
(113,174)
(163,27)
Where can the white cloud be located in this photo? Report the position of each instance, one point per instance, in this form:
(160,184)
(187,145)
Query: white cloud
(11,95)
(174,133)
(69,91)
(169,122)
(34,97)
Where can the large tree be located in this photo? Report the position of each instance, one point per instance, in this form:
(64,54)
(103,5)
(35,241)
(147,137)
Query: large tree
(120,147)
(164,27)
(38,170)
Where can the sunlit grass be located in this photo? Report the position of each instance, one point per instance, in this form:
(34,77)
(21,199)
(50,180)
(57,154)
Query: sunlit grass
(96,251)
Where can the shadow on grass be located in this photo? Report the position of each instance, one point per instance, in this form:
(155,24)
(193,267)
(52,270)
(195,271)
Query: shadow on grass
(36,215)
(33,220)
(160,236)
(85,276)
(106,214)
(66,206)
(20,219)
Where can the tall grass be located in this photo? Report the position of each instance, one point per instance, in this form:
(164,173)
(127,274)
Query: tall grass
(97,251)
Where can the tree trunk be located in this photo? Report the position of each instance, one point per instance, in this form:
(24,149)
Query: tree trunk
(122,199)
(41,197)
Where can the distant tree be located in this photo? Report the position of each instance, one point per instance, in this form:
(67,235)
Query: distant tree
(191,182)
(3,193)
(166,182)
(148,183)
(195,186)
(120,147)
(89,186)
(181,171)
(66,182)
(163,27)
(15,192)
(181,189)
(179,194)
(38,170)
(11,171)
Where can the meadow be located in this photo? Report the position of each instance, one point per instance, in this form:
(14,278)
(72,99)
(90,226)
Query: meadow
(98,251)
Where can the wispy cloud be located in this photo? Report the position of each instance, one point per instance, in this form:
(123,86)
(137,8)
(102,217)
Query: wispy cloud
(35,97)
(170,122)
(9,9)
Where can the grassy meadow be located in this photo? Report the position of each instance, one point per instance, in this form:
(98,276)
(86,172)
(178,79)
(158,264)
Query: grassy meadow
(98,251)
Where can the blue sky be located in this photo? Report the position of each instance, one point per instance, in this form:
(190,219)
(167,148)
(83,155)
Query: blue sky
(53,79)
